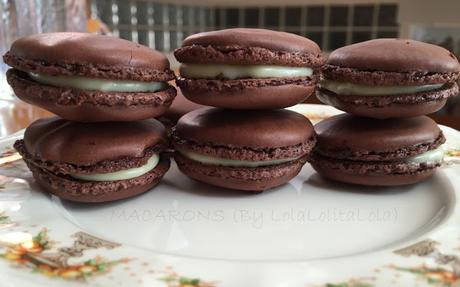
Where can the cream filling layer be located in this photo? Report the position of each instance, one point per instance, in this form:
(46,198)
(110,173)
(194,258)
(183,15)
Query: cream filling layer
(122,174)
(103,85)
(343,88)
(431,156)
(232,72)
(204,159)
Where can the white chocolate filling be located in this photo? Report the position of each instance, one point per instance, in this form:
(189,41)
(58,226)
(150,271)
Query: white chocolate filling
(103,85)
(122,174)
(232,72)
(204,159)
(431,156)
(343,88)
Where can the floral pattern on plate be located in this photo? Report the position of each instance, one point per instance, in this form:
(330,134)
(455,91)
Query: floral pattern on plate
(39,255)
(172,279)
(358,282)
(444,269)
(438,269)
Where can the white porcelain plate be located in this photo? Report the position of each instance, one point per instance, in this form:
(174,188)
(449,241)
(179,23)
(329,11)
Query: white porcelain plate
(310,232)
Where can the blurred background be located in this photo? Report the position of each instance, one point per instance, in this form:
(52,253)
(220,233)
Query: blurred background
(163,25)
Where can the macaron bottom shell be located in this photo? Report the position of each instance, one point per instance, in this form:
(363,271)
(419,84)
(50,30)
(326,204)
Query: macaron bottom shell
(96,192)
(383,174)
(247,93)
(253,179)
(390,106)
(91,106)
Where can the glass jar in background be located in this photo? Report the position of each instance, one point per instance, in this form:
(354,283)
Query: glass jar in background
(26,17)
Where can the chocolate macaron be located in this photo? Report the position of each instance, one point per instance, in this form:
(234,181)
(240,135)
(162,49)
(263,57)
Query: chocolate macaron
(248,68)
(389,78)
(95,162)
(244,150)
(377,152)
(90,78)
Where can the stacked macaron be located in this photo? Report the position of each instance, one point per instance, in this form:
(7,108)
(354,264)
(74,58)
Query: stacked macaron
(243,143)
(95,162)
(248,68)
(245,150)
(388,86)
(90,78)
(106,90)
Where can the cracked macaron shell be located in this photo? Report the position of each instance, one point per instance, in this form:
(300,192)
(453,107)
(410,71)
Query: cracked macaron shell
(54,149)
(58,140)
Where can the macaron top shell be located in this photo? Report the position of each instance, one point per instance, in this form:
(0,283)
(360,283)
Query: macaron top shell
(58,140)
(255,129)
(72,53)
(395,55)
(249,46)
(351,137)
(247,37)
